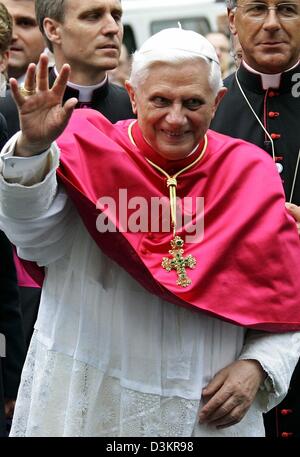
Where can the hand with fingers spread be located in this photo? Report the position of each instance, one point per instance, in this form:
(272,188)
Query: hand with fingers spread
(230,393)
(43,117)
(294,211)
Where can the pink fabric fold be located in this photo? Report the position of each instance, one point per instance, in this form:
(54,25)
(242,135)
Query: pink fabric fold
(248,265)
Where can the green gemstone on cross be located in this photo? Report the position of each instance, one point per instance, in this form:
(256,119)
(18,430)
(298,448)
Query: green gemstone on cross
(178,262)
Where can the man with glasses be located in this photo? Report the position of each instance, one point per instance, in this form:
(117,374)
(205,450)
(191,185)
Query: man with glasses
(262,106)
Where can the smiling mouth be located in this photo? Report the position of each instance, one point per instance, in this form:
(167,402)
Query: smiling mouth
(272,43)
(172,134)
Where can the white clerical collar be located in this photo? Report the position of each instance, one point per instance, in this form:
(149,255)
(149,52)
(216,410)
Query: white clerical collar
(268,80)
(85,92)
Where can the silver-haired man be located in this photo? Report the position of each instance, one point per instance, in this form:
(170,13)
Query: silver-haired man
(147,328)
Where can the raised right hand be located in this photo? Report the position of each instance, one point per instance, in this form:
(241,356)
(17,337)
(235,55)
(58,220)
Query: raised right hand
(42,115)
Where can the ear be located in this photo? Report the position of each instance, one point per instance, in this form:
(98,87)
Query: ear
(231,20)
(4,61)
(132,96)
(218,98)
(52,30)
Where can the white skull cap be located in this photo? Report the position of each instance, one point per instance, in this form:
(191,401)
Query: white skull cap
(183,40)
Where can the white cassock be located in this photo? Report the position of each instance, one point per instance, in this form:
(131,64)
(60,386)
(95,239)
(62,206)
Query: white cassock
(107,358)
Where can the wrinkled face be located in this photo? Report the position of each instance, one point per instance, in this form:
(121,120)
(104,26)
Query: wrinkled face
(91,34)
(174,106)
(271,45)
(27,43)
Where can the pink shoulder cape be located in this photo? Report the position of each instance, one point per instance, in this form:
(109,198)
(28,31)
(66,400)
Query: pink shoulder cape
(248,262)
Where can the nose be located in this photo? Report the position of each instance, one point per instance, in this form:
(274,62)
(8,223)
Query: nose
(272,22)
(110,25)
(176,116)
(14,32)
(14,38)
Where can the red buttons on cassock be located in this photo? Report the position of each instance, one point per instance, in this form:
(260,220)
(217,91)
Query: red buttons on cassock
(273,93)
(275,136)
(285,412)
(272,114)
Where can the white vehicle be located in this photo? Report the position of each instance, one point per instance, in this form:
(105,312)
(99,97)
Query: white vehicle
(143,18)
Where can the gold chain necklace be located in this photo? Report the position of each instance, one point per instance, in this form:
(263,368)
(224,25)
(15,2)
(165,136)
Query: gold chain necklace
(178,262)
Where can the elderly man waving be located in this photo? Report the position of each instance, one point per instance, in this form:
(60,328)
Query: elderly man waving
(150,325)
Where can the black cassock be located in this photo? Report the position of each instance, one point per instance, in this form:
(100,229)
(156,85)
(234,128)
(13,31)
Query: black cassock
(10,318)
(278,109)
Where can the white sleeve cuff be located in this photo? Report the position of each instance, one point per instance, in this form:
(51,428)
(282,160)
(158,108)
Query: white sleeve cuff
(27,184)
(23,170)
(278,355)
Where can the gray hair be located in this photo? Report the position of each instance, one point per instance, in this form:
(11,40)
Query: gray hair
(231,4)
(142,62)
(54,9)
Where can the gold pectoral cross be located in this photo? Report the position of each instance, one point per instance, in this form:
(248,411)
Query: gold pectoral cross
(178,262)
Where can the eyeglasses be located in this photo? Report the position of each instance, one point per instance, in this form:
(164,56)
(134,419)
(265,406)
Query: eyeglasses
(260,11)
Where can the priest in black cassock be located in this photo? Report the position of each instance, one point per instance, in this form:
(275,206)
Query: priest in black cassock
(262,106)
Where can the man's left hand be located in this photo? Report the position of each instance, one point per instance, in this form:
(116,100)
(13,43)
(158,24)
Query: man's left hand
(231,392)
